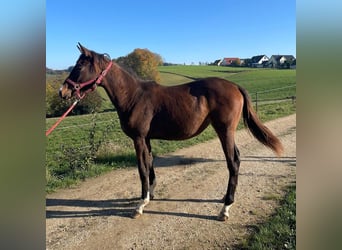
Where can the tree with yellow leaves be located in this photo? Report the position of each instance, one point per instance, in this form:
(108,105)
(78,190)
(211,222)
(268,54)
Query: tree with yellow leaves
(144,63)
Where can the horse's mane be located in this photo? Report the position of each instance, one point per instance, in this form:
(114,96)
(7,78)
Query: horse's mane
(101,62)
(128,69)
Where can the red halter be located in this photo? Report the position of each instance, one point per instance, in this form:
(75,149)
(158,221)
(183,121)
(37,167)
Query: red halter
(97,81)
(77,87)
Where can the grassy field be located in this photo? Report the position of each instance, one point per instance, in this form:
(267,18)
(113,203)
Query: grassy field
(171,75)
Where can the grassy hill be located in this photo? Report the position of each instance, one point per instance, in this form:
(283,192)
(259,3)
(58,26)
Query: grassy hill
(254,80)
(250,78)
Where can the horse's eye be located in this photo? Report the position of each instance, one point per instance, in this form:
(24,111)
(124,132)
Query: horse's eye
(78,66)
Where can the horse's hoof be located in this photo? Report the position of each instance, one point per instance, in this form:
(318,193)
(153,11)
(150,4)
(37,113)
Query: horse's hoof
(222,217)
(136,215)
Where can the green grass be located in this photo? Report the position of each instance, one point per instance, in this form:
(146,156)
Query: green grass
(279,232)
(71,140)
(172,75)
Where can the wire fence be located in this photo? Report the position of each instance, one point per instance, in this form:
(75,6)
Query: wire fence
(84,125)
(285,93)
(76,130)
(258,97)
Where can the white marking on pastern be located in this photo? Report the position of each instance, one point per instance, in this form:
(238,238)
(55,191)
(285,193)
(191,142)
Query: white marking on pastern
(224,214)
(143,203)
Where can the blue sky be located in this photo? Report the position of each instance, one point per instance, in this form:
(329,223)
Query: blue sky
(181,31)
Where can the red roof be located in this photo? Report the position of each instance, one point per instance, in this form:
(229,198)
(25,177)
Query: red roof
(230,60)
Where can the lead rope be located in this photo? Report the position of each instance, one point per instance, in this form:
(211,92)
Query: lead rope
(61,118)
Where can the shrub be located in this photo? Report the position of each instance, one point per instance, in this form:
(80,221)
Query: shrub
(144,63)
(56,106)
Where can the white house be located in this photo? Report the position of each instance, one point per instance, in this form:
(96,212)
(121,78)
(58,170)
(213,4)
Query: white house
(258,61)
(281,61)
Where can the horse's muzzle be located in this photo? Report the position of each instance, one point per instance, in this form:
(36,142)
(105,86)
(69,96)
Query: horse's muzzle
(65,93)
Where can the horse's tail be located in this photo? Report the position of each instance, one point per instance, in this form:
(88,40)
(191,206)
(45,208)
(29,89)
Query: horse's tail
(259,130)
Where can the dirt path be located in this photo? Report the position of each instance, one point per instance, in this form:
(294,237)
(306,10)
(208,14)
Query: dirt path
(190,184)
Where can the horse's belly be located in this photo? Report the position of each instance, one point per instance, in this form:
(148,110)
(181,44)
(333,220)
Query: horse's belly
(177,130)
(185,118)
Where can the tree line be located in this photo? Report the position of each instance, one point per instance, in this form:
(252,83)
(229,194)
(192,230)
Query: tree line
(141,62)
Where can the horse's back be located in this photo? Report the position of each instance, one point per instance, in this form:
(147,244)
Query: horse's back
(218,91)
(205,94)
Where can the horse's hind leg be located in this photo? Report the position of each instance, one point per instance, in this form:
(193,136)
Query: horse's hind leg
(233,167)
(233,163)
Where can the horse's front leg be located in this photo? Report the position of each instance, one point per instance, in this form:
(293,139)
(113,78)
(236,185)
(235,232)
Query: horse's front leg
(143,158)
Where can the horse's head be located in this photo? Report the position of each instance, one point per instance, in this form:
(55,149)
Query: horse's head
(85,75)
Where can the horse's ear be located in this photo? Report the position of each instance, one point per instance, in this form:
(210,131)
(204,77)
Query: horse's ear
(79,46)
(83,50)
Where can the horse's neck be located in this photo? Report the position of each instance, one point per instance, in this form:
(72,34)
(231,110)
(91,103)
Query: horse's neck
(121,88)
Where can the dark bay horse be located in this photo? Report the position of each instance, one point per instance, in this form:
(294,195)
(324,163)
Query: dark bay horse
(148,111)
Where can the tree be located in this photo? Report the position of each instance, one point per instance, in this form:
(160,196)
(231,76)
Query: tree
(144,63)
(236,63)
(159,59)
